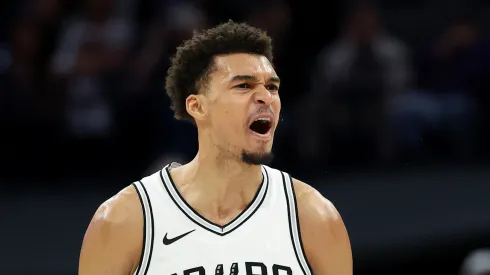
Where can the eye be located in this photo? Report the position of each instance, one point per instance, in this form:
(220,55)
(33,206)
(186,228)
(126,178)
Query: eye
(243,86)
(272,87)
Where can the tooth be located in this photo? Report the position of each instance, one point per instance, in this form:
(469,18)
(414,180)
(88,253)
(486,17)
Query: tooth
(264,118)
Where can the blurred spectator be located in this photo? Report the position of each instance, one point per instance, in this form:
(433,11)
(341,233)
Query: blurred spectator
(20,79)
(161,38)
(444,106)
(92,46)
(183,17)
(48,15)
(88,66)
(24,117)
(352,86)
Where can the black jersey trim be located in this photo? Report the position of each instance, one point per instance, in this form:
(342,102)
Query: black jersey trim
(176,203)
(291,216)
(143,248)
(205,223)
(289,221)
(258,205)
(298,228)
(152,230)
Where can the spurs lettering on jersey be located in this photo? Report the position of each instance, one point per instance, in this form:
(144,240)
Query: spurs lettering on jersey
(263,240)
(250,268)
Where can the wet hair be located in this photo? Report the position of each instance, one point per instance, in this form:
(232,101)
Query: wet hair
(194,59)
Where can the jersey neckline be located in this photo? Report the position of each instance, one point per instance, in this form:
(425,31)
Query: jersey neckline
(197,218)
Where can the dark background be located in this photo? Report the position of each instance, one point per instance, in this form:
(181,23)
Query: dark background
(385,111)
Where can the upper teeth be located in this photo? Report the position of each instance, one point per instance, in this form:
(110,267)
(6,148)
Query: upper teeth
(263,119)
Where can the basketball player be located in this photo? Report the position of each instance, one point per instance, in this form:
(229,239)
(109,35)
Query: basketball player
(225,212)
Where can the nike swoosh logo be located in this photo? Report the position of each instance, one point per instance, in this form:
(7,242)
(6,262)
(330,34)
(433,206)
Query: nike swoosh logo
(167,241)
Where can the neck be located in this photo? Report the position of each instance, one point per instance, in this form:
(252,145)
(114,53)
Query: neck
(217,185)
(222,177)
(221,173)
(218,188)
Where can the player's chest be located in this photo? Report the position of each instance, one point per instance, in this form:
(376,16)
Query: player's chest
(252,267)
(250,254)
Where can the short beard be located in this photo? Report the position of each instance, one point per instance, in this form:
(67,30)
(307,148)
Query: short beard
(257,158)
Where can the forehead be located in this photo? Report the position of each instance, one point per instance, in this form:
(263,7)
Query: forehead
(243,64)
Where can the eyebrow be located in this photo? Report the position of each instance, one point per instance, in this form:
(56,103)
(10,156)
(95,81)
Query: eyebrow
(253,78)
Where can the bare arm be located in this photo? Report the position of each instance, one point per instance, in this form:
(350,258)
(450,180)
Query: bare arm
(113,241)
(325,238)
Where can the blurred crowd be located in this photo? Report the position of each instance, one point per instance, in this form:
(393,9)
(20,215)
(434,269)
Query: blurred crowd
(82,86)
(386,100)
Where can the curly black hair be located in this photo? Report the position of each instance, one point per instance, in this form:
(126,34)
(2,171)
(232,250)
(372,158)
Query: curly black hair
(193,60)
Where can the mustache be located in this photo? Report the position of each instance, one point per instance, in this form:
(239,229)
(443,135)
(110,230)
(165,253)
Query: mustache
(263,110)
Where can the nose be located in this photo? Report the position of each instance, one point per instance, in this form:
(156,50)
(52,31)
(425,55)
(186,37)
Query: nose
(263,96)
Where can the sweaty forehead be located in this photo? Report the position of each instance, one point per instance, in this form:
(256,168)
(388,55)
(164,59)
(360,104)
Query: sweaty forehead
(243,64)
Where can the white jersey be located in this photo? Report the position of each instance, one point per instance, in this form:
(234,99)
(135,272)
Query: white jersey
(263,239)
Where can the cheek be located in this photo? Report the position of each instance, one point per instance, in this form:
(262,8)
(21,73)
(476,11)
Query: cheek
(230,120)
(233,122)
(230,112)
(233,109)
(229,129)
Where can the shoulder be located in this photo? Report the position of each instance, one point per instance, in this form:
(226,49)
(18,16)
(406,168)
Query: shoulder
(313,208)
(115,234)
(121,210)
(324,236)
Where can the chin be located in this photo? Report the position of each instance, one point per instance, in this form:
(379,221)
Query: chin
(257,157)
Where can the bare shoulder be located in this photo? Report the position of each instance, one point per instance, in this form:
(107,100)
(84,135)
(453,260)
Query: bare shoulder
(314,207)
(113,241)
(324,236)
(122,211)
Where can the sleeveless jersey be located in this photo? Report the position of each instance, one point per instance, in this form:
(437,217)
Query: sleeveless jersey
(263,239)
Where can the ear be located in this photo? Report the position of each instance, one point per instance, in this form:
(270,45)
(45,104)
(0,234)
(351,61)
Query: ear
(196,106)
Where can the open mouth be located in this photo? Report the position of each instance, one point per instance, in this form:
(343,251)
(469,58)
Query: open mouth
(261,125)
